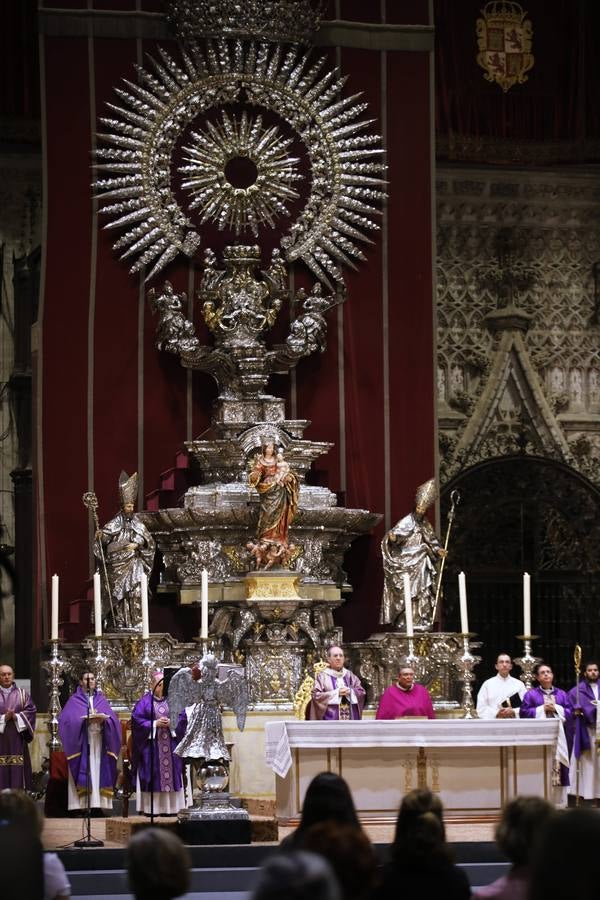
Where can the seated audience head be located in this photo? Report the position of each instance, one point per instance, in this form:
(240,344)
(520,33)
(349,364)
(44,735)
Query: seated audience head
(21,858)
(420,834)
(349,852)
(18,808)
(328,798)
(297,875)
(522,821)
(565,863)
(158,865)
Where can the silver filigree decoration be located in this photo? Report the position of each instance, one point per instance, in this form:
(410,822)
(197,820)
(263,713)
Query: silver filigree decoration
(294,21)
(219,199)
(345,188)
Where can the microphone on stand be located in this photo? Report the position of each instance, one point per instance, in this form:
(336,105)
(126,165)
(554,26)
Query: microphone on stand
(152,742)
(88,840)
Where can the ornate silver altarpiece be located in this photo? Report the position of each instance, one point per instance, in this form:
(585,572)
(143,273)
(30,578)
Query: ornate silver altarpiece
(244,129)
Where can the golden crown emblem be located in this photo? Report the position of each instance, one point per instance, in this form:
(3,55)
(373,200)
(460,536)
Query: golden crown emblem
(501,12)
(283,21)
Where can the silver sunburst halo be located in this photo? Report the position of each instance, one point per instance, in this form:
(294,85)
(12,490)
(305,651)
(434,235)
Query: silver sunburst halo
(346,161)
(219,200)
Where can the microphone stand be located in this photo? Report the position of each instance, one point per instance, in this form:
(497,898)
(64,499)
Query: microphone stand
(88,841)
(152,741)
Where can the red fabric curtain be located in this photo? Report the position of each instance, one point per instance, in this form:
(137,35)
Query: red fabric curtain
(560,99)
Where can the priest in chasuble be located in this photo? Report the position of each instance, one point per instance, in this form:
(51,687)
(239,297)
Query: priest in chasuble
(337,693)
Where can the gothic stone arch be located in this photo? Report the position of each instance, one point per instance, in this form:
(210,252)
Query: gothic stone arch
(526,513)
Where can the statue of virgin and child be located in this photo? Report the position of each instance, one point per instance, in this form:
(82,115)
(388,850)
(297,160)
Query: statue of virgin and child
(278,489)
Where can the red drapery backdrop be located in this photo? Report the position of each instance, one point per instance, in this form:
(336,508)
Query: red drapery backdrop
(560,99)
(107,400)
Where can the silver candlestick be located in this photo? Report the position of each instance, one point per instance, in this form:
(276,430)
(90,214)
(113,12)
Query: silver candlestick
(147,661)
(55,667)
(465,664)
(411,659)
(527,662)
(100,663)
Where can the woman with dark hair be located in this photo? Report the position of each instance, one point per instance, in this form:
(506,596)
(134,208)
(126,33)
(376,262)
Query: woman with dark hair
(26,873)
(516,835)
(327,799)
(420,862)
(565,863)
(350,854)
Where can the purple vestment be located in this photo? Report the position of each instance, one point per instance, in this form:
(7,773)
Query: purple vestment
(585,702)
(326,690)
(529,704)
(166,766)
(396,703)
(72,730)
(15,765)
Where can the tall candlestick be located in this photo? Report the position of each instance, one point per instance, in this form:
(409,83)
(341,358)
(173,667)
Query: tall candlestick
(54,616)
(144,596)
(462,594)
(97,606)
(526,604)
(408,611)
(204,606)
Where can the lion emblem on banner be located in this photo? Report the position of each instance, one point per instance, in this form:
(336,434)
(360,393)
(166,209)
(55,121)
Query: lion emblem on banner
(504,43)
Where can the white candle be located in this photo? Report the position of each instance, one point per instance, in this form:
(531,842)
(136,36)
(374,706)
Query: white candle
(204,606)
(145,619)
(526,604)
(408,612)
(97,606)
(462,594)
(54,616)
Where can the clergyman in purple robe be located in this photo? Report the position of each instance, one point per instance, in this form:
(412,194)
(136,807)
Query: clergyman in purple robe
(91,736)
(17,724)
(405,699)
(156,769)
(548,702)
(337,693)
(585,765)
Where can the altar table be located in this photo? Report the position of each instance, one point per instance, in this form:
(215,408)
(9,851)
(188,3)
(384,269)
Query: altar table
(475,765)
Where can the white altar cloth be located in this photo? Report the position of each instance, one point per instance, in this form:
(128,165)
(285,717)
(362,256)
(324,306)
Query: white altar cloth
(283,737)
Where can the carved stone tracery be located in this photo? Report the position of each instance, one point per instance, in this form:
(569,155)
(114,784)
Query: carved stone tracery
(518,345)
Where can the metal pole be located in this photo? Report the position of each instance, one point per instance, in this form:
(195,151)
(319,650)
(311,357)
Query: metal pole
(454,501)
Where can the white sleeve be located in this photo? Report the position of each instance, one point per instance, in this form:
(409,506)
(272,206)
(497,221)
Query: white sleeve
(335,698)
(540,713)
(2,723)
(485,708)
(20,722)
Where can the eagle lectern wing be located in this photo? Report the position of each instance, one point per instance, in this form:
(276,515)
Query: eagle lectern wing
(233,692)
(183,692)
